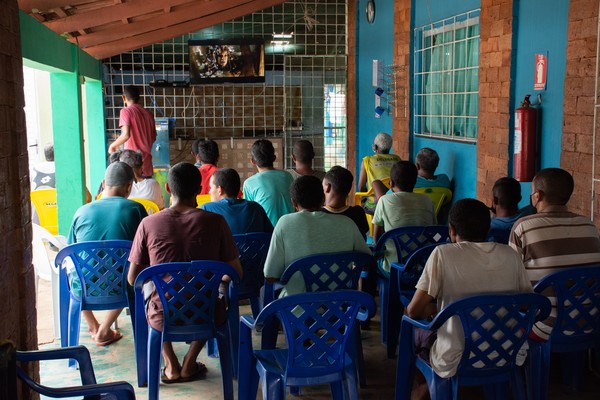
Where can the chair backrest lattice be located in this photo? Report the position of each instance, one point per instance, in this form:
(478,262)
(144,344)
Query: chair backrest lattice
(253,248)
(577,292)
(102,266)
(317,327)
(495,328)
(330,271)
(189,292)
(408,239)
(413,269)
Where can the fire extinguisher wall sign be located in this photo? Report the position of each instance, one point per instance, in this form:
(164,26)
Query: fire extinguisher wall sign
(525,139)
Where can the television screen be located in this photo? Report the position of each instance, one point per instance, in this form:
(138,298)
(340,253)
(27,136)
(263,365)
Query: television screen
(231,60)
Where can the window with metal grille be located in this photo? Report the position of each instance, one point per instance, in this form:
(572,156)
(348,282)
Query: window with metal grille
(446,78)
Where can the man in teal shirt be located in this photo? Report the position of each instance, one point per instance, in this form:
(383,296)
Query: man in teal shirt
(270,187)
(112,217)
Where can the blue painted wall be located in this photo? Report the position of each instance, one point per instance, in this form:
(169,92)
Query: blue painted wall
(542,29)
(457,160)
(374,42)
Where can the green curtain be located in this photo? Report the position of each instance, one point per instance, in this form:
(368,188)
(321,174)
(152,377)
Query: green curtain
(451,82)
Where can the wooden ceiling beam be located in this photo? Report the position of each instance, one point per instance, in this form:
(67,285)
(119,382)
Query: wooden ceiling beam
(44,5)
(120,46)
(181,15)
(117,12)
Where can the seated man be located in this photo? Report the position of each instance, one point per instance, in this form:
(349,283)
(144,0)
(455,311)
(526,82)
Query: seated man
(207,155)
(505,204)
(307,232)
(303,154)
(467,267)
(427,161)
(243,216)
(377,166)
(180,233)
(337,184)
(143,188)
(402,207)
(554,238)
(269,187)
(110,218)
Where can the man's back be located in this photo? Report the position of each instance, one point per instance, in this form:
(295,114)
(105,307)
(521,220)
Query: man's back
(378,166)
(440,180)
(242,216)
(109,218)
(463,269)
(554,239)
(306,233)
(142,133)
(271,189)
(170,236)
(404,209)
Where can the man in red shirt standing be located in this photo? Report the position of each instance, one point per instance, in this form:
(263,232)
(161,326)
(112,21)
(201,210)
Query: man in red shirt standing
(138,129)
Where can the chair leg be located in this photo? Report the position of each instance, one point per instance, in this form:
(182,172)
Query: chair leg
(154,365)
(393,315)
(383,308)
(573,367)
(74,325)
(272,386)
(255,306)
(337,390)
(225,358)
(356,354)
(350,382)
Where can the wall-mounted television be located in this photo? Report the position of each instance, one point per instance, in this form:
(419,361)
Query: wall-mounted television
(226,60)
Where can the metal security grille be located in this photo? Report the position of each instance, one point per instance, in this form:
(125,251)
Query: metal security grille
(318,112)
(313,33)
(446,78)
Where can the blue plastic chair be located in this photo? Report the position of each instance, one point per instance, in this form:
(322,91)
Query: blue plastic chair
(253,248)
(101,267)
(325,272)
(407,240)
(403,279)
(576,328)
(113,390)
(317,327)
(188,292)
(495,327)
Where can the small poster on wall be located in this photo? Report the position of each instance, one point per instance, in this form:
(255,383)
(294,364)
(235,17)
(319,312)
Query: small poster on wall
(541,72)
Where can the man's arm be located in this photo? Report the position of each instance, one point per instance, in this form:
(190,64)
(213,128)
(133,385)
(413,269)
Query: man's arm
(377,232)
(120,140)
(237,265)
(134,271)
(421,306)
(362,180)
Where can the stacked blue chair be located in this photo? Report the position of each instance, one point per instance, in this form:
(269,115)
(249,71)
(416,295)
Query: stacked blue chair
(403,279)
(101,268)
(89,388)
(495,328)
(576,327)
(324,273)
(189,294)
(406,241)
(317,327)
(253,248)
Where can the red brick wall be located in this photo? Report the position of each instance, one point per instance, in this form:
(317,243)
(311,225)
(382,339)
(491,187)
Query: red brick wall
(351,90)
(578,106)
(401,115)
(496,28)
(17,279)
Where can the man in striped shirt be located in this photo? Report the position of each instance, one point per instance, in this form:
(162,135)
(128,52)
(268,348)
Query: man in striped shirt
(554,238)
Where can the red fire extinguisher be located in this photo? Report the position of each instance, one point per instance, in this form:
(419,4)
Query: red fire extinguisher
(525,141)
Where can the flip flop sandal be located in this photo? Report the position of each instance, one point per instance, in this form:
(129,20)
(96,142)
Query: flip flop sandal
(200,373)
(116,337)
(167,381)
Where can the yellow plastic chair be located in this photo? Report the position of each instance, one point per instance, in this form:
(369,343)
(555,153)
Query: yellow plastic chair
(358,196)
(440,196)
(149,205)
(202,199)
(44,201)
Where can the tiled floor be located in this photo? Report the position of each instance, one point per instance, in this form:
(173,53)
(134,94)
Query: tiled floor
(117,362)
